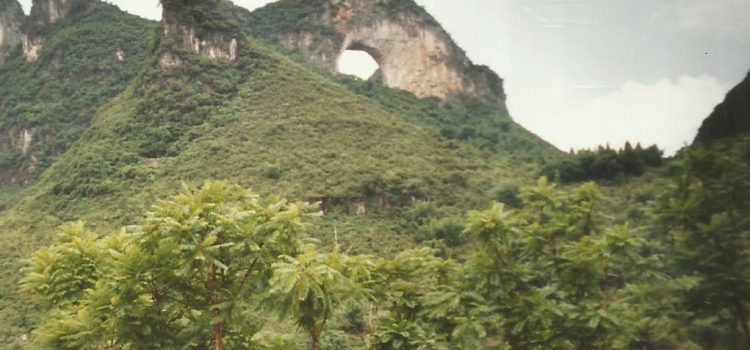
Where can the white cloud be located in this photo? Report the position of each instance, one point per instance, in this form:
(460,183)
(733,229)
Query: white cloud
(667,113)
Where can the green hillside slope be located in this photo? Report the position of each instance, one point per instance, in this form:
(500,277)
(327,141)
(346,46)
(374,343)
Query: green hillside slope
(87,59)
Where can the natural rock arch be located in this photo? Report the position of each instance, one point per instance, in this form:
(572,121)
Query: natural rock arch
(414,52)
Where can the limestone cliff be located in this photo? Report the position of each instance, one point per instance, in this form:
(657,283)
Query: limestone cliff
(11,23)
(204,27)
(730,118)
(414,52)
(43,14)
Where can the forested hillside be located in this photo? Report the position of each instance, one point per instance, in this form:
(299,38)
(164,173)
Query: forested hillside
(88,58)
(191,186)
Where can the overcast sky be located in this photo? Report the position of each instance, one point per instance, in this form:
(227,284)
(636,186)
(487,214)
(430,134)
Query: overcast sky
(580,73)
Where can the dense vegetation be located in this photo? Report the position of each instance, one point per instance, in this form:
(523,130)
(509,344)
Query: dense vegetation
(604,163)
(558,273)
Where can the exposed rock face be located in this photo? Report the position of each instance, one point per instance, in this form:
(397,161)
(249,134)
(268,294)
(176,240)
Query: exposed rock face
(730,118)
(23,143)
(11,23)
(19,142)
(32,47)
(414,52)
(120,55)
(43,14)
(191,22)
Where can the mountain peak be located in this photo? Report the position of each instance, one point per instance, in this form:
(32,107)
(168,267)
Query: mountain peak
(204,27)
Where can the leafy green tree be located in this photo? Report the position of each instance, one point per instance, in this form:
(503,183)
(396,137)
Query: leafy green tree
(313,285)
(632,159)
(704,214)
(60,274)
(558,273)
(407,287)
(189,278)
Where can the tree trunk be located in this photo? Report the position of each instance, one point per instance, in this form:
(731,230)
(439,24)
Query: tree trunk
(219,336)
(315,340)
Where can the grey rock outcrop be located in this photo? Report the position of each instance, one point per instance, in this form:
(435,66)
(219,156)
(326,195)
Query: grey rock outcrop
(11,26)
(202,27)
(43,14)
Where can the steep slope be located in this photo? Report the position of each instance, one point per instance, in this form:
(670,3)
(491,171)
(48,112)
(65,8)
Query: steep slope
(11,21)
(730,118)
(77,54)
(416,55)
(208,103)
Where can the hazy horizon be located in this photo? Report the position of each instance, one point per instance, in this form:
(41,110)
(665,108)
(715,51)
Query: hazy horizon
(582,73)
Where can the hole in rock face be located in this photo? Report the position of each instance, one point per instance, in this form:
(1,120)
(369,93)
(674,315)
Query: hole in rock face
(357,63)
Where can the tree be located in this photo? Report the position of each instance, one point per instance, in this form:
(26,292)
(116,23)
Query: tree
(632,159)
(313,285)
(604,164)
(60,274)
(558,274)
(704,213)
(188,278)
(412,288)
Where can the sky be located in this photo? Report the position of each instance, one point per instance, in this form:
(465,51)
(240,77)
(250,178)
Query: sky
(583,73)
